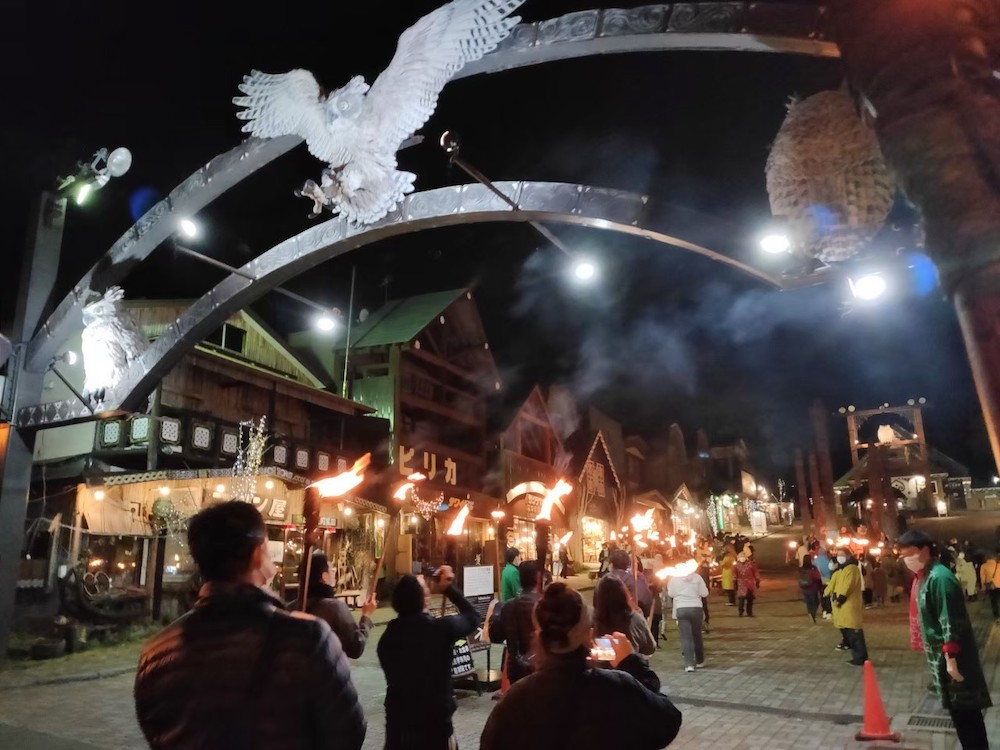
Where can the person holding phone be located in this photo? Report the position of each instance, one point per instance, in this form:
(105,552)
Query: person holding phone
(415,653)
(566,702)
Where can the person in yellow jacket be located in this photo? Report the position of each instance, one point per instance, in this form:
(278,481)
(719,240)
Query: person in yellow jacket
(989,576)
(844,591)
(728,581)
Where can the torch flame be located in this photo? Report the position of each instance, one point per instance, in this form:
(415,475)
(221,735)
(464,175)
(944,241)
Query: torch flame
(643,522)
(458,525)
(405,487)
(561,489)
(342,483)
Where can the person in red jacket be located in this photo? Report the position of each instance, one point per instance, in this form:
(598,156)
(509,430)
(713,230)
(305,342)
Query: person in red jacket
(747,581)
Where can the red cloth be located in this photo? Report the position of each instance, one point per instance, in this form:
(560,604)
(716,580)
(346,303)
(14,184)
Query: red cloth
(916,640)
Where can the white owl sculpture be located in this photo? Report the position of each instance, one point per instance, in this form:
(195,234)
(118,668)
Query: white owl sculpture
(358,129)
(111,342)
(886,434)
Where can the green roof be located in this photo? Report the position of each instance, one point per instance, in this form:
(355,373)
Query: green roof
(401,321)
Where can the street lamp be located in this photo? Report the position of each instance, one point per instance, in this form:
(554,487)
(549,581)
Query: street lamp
(95,175)
(325,323)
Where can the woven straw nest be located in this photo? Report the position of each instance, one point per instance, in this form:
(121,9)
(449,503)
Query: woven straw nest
(827,178)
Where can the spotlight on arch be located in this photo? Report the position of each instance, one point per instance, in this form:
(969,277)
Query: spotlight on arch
(775,243)
(869,287)
(584,270)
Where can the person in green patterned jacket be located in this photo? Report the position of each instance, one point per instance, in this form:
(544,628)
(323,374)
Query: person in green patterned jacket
(949,643)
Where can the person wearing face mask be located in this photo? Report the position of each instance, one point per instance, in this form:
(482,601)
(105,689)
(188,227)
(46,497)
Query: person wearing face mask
(231,672)
(845,595)
(747,581)
(949,643)
(567,702)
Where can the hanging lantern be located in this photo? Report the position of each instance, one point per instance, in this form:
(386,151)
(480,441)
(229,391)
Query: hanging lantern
(827,178)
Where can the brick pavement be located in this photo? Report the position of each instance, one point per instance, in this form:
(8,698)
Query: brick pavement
(774,681)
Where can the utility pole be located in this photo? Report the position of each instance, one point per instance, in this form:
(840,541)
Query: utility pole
(24,387)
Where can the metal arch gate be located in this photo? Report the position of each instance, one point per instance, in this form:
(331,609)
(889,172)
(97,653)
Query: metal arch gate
(561,203)
(736,26)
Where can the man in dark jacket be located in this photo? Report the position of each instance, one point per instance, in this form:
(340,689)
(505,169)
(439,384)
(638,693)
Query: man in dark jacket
(238,671)
(322,604)
(621,564)
(416,653)
(518,625)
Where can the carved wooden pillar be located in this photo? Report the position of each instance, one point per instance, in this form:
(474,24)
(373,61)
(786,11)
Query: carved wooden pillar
(819,507)
(977,300)
(821,428)
(800,485)
(926,71)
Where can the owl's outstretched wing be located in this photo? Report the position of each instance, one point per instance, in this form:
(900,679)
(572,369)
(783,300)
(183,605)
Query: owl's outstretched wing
(428,54)
(288,104)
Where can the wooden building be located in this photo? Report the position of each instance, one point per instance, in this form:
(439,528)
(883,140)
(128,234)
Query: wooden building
(100,484)
(532,459)
(423,364)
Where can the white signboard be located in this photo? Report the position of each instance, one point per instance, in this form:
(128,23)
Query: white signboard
(478,581)
(276,549)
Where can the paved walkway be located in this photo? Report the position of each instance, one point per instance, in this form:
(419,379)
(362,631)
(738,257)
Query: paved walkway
(774,681)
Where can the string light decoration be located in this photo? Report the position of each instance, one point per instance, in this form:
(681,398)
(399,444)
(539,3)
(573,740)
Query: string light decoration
(248,459)
(408,492)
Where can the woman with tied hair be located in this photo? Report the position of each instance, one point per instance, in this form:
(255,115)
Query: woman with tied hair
(567,703)
(616,612)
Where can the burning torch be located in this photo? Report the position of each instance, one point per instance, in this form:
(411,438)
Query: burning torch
(335,486)
(543,522)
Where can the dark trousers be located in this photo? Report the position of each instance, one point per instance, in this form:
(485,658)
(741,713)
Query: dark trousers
(655,625)
(970,728)
(827,605)
(731,595)
(845,639)
(812,603)
(704,608)
(856,640)
(994,595)
(746,602)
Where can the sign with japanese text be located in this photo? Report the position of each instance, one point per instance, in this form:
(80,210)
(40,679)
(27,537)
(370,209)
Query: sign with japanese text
(594,478)
(272,508)
(427,464)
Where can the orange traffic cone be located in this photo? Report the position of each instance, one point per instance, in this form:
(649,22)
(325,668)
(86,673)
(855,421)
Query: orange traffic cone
(876,726)
(504,680)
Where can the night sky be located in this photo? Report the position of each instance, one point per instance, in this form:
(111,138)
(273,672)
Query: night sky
(665,336)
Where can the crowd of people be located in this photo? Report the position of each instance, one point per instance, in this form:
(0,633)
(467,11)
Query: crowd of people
(242,671)
(849,575)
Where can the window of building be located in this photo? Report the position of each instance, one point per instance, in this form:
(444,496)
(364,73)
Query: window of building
(228,337)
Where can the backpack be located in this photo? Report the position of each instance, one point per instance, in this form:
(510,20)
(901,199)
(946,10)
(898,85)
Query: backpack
(805,580)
